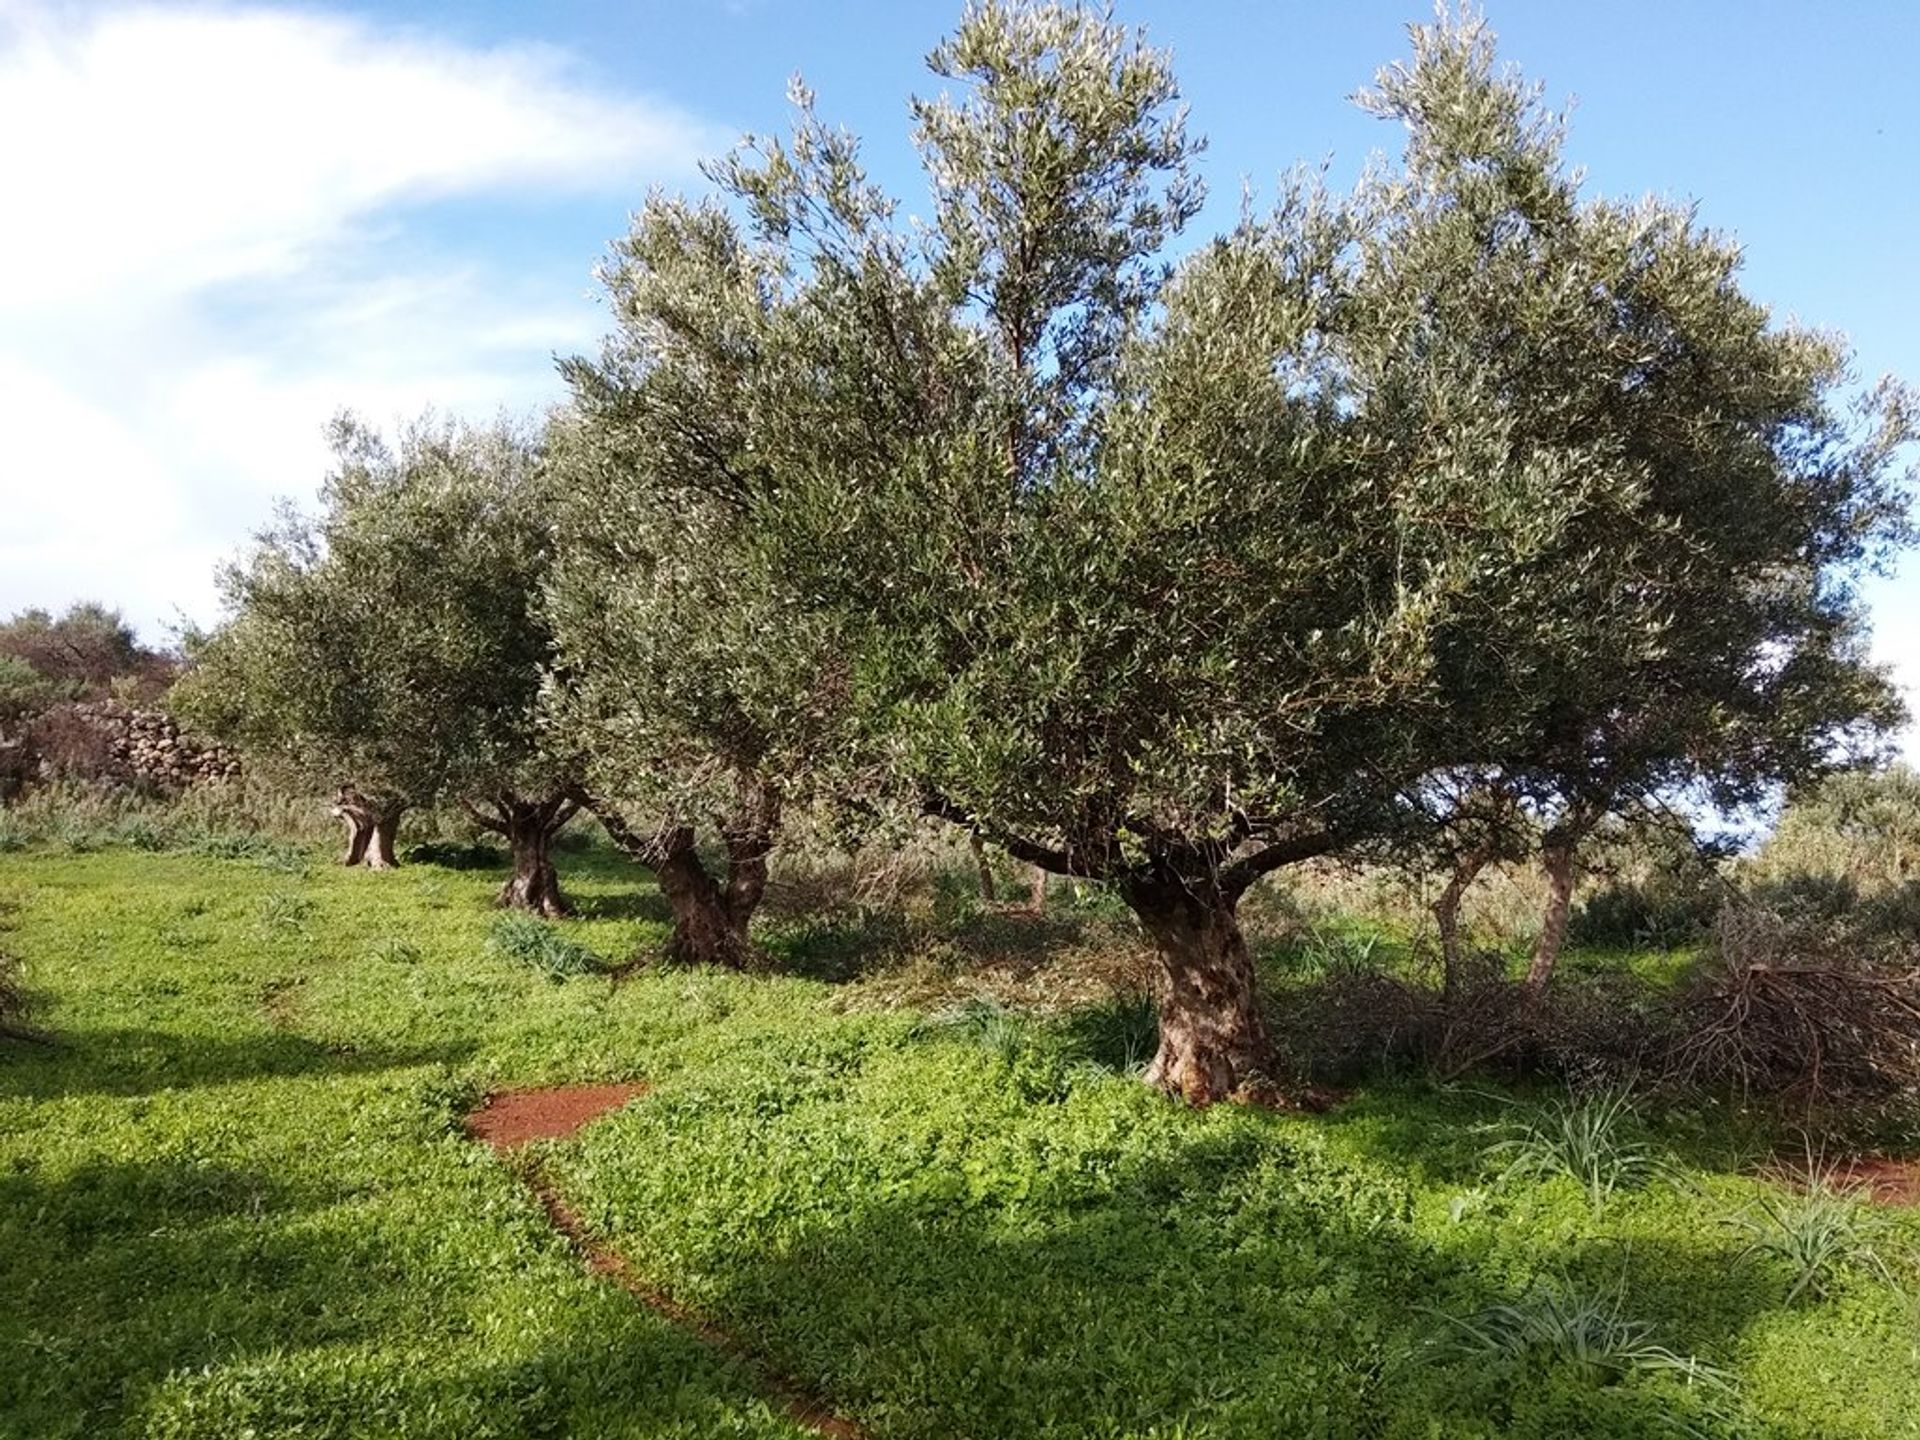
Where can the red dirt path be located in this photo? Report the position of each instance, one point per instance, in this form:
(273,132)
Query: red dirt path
(513,1117)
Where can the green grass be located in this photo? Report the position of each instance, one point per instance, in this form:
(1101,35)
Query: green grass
(234,1200)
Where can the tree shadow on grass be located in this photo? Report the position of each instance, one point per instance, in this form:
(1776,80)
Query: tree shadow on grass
(188,1298)
(125,1062)
(1247,1286)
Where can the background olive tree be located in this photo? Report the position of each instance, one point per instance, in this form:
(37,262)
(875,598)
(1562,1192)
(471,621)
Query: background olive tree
(394,644)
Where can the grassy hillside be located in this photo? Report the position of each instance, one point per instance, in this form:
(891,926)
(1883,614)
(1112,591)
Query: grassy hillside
(235,1199)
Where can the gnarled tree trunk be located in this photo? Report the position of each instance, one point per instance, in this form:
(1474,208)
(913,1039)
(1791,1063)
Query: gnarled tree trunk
(372,826)
(1213,1037)
(711,916)
(528,827)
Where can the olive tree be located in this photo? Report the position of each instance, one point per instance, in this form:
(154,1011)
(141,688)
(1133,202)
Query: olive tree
(394,644)
(1693,627)
(1170,574)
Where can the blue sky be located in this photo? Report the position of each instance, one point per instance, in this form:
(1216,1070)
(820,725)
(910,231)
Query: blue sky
(231,220)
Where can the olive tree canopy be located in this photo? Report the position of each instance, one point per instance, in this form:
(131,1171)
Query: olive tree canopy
(394,644)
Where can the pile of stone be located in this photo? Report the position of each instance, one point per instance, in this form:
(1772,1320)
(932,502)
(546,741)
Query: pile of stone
(121,745)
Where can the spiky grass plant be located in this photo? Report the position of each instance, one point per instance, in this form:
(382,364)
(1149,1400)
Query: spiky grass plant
(1588,1139)
(1588,1333)
(539,944)
(1819,1228)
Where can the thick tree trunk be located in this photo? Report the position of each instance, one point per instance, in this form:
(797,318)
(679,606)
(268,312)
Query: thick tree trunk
(534,884)
(1556,858)
(711,917)
(705,929)
(1037,891)
(380,854)
(980,862)
(528,826)
(371,828)
(1213,1038)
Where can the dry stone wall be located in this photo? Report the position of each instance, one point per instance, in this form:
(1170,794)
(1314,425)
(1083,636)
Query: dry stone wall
(103,740)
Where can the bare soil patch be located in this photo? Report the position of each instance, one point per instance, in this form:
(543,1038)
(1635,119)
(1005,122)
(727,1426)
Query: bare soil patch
(512,1118)
(1879,1178)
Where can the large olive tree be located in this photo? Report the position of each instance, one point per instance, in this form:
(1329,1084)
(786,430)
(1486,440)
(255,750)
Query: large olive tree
(1169,576)
(394,644)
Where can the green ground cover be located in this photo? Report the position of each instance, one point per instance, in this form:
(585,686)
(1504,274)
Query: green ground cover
(234,1200)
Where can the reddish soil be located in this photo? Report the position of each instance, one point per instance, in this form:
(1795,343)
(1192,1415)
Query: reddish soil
(793,1401)
(513,1117)
(1874,1177)
(1891,1182)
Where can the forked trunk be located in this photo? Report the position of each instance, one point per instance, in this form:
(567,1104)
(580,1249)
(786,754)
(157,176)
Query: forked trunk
(711,916)
(1556,858)
(706,930)
(528,826)
(1213,1038)
(534,884)
(371,828)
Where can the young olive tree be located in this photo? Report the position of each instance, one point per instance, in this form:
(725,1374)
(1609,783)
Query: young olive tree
(1170,576)
(394,644)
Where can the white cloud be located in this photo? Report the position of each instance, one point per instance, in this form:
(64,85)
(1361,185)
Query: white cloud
(218,230)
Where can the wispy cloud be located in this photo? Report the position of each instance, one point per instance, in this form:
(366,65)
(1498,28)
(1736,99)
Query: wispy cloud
(221,227)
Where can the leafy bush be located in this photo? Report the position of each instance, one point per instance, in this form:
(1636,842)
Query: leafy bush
(1650,914)
(528,940)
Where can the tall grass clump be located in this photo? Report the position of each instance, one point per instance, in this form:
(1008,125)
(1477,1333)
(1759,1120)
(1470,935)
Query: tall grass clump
(1818,1230)
(538,944)
(1589,1334)
(1588,1139)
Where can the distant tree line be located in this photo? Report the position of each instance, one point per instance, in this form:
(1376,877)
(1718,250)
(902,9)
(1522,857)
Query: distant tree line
(1447,516)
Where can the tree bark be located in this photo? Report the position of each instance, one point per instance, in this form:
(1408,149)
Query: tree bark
(1556,858)
(528,826)
(371,828)
(1037,891)
(706,929)
(979,849)
(1446,914)
(1213,1038)
(380,854)
(711,916)
(534,884)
